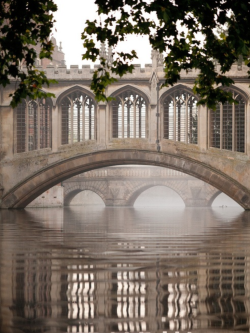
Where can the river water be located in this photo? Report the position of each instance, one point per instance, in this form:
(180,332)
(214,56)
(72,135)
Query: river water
(98,269)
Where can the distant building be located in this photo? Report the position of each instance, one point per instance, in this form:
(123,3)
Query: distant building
(57,56)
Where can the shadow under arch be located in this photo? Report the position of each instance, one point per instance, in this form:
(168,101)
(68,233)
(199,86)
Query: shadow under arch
(71,194)
(214,197)
(143,188)
(31,187)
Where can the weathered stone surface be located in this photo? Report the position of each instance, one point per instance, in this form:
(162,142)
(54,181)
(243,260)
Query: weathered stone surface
(26,175)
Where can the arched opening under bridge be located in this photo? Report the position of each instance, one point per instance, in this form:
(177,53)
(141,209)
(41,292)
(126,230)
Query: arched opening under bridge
(156,196)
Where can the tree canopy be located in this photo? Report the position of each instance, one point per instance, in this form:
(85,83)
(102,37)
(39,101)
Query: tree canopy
(23,25)
(191,34)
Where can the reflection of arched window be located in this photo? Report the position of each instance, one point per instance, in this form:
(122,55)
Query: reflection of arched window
(78,118)
(33,125)
(180,117)
(129,116)
(227,125)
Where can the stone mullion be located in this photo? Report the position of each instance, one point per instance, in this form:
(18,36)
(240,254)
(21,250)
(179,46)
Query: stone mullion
(78,123)
(247,129)
(72,119)
(233,128)
(135,110)
(174,107)
(186,121)
(56,128)
(27,127)
(122,121)
(83,119)
(221,126)
(38,115)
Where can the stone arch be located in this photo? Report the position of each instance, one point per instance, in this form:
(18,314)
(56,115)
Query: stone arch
(132,88)
(227,126)
(238,90)
(33,124)
(73,190)
(73,89)
(77,115)
(129,113)
(138,191)
(31,187)
(175,88)
(213,197)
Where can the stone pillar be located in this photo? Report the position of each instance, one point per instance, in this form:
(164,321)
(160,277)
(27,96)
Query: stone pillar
(203,127)
(56,128)
(154,110)
(7,132)
(101,123)
(247,128)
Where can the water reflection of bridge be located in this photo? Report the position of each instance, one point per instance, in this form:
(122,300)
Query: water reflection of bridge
(150,283)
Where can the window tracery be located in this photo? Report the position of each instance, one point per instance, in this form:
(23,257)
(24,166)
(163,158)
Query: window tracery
(78,118)
(129,115)
(33,125)
(227,125)
(180,114)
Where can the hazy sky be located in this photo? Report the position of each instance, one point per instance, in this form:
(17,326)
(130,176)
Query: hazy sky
(71,17)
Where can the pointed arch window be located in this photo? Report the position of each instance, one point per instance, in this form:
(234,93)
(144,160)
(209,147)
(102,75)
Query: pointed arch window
(78,118)
(129,116)
(180,115)
(227,125)
(33,125)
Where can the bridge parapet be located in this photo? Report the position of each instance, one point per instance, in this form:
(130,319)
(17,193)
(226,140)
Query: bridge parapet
(131,172)
(86,72)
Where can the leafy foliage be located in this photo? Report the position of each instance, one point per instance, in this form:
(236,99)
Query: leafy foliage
(190,33)
(23,25)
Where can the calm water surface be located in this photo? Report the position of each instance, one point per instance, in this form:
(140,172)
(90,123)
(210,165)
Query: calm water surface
(124,270)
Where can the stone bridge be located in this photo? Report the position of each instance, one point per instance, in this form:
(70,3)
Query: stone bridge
(45,142)
(121,186)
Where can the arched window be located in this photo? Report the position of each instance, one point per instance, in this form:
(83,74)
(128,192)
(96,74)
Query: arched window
(78,118)
(180,117)
(129,116)
(227,125)
(33,125)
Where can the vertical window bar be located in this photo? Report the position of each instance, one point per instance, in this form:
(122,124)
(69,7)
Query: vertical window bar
(240,125)
(33,126)
(21,127)
(180,121)
(227,135)
(215,127)
(115,120)
(192,121)
(65,107)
